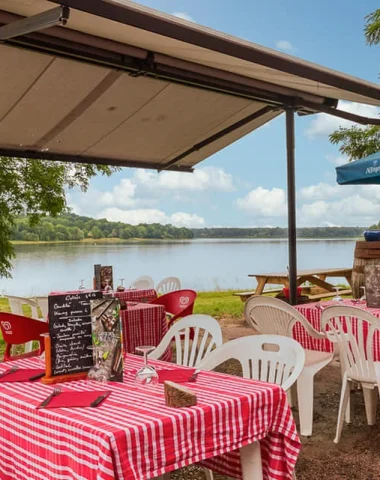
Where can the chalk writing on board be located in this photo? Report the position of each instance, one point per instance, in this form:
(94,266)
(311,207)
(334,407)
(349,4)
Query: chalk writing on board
(70,332)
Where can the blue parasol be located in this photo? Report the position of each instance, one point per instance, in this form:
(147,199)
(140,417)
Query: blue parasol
(365,171)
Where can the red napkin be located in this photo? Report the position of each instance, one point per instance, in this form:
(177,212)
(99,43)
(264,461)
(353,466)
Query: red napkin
(68,399)
(177,375)
(22,375)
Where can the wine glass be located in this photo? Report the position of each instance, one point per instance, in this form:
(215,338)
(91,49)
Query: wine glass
(97,373)
(146,375)
(121,287)
(337,297)
(81,286)
(42,357)
(363,298)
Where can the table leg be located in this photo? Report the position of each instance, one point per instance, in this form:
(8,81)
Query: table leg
(349,280)
(260,285)
(250,457)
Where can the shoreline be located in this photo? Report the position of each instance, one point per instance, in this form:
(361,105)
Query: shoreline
(92,241)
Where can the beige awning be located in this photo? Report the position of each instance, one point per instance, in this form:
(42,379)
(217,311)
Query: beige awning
(127,85)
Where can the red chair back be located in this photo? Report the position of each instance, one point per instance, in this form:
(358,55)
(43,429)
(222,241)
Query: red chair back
(17,330)
(179,303)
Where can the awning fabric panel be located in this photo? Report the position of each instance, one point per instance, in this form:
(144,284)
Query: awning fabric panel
(81,109)
(73,108)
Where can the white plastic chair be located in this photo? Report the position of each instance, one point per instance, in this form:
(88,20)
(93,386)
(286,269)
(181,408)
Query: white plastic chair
(44,306)
(207,336)
(168,284)
(273,316)
(143,283)
(356,353)
(16,306)
(189,352)
(267,358)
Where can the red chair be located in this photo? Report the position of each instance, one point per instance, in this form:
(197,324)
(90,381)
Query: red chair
(17,330)
(178,304)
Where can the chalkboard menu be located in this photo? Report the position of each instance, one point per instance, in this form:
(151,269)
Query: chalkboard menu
(70,331)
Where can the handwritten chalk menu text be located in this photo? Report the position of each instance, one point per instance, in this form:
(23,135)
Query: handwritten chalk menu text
(70,331)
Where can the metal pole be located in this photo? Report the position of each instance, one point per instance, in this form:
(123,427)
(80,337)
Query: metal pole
(292,233)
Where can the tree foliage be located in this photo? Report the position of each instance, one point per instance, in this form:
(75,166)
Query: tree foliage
(35,188)
(358,142)
(278,232)
(71,227)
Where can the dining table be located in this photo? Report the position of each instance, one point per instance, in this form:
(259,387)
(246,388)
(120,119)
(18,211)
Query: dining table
(133,435)
(143,295)
(143,324)
(313,313)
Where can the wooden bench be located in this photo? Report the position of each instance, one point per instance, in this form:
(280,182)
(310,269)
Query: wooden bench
(321,296)
(245,295)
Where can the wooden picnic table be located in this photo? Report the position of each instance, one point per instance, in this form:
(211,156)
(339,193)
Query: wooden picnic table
(314,276)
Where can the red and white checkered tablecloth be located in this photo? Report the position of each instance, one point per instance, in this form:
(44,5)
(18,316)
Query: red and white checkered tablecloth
(136,295)
(134,436)
(313,313)
(144,324)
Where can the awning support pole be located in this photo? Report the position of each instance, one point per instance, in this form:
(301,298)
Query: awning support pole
(292,232)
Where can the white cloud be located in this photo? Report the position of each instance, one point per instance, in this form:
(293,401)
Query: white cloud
(134,217)
(285,45)
(320,191)
(203,179)
(264,203)
(183,16)
(121,195)
(337,160)
(328,205)
(323,124)
(190,220)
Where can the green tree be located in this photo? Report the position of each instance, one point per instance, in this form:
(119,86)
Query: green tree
(96,232)
(35,188)
(358,142)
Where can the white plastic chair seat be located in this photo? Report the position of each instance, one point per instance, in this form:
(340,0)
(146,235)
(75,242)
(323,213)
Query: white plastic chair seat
(354,329)
(143,283)
(168,284)
(207,335)
(312,357)
(260,361)
(270,315)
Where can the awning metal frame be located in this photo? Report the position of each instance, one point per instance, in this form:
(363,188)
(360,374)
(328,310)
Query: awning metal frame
(23,26)
(137,61)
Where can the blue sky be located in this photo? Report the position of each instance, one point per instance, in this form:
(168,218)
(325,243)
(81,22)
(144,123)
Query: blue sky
(245,184)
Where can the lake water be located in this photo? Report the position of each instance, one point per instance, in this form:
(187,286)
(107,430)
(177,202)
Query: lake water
(200,264)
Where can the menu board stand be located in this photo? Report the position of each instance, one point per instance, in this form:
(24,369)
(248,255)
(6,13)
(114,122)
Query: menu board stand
(49,378)
(68,347)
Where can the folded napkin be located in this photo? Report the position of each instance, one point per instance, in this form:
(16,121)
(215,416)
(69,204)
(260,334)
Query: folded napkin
(22,375)
(177,375)
(89,398)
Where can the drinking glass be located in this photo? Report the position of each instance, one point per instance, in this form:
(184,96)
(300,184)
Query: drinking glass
(42,357)
(146,375)
(337,297)
(363,298)
(98,373)
(81,286)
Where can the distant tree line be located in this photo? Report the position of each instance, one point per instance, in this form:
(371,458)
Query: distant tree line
(74,227)
(277,232)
